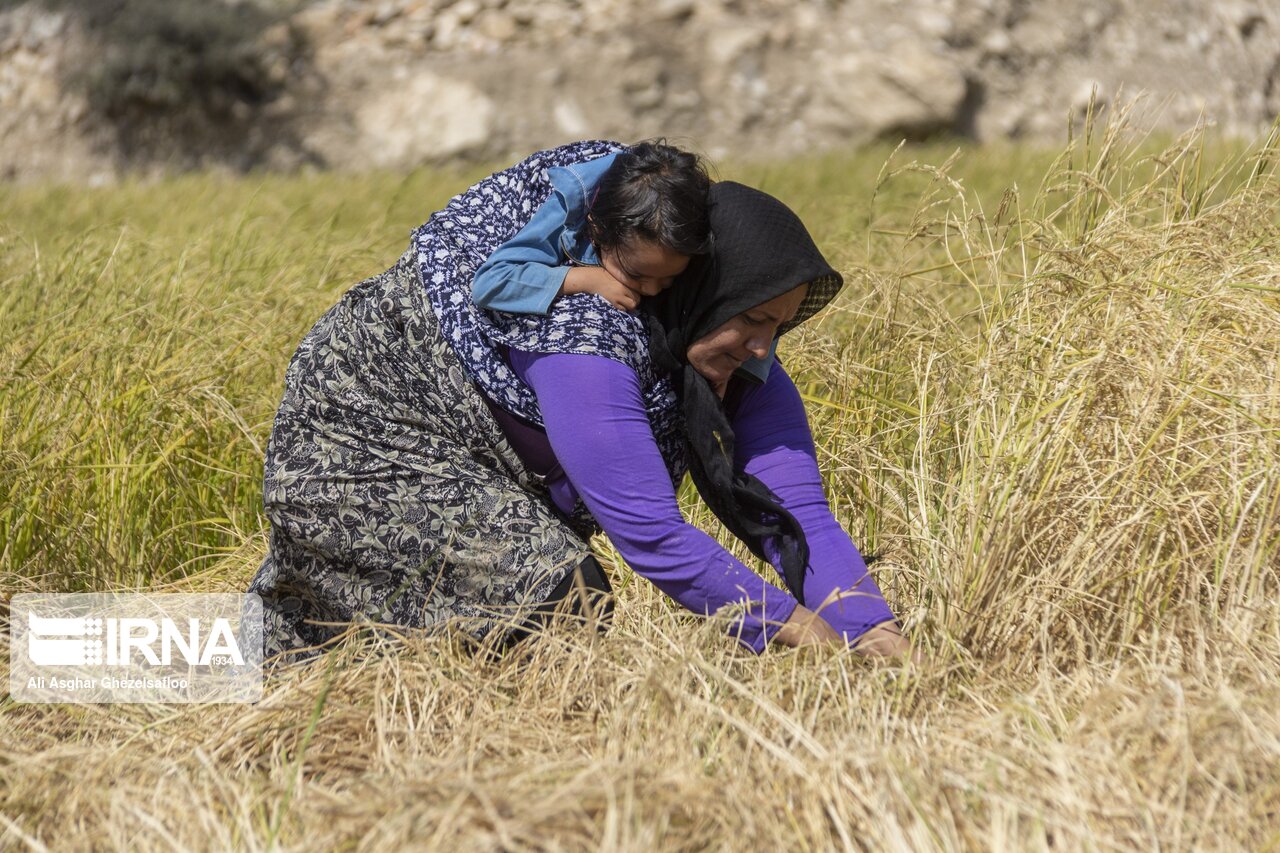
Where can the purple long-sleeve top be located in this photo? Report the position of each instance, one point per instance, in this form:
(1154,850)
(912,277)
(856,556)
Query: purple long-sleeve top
(598,445)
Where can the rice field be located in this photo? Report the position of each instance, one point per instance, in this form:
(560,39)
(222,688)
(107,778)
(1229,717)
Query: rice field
(1048,399)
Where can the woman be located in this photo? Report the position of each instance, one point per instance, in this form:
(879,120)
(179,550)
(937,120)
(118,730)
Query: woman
(432,461)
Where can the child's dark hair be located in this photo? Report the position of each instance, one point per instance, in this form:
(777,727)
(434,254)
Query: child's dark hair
(653,192)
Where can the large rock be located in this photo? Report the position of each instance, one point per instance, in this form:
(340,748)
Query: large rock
(422,118)
(40,116)
(907,91)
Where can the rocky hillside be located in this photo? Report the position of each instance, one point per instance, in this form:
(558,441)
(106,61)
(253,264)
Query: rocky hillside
(395,83)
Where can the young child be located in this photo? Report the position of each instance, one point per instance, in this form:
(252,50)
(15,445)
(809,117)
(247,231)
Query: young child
(622,226)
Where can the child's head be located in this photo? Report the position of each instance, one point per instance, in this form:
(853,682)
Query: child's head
(649,215)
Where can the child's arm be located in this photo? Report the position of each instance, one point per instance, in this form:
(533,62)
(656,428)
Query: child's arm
(597,280)
(525,274)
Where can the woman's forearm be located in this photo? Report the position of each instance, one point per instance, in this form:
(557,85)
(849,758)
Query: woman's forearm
(773,442)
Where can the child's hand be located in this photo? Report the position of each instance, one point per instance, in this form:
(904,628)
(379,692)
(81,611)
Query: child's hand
(598,281)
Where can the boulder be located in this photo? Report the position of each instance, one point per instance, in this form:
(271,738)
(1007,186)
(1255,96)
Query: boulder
(423,118)
(906,91)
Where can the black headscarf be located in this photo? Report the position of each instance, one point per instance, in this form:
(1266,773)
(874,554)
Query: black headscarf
(761,250)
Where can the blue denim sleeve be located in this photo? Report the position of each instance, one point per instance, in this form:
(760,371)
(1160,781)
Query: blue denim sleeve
(526,273)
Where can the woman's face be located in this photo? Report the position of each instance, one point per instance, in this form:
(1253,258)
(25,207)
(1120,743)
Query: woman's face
(717,354)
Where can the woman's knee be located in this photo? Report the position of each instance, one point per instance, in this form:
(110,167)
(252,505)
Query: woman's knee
(583,596)
(585,592)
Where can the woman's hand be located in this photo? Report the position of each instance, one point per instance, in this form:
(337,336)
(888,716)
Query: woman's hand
(597,280)
(806,628)
(885,640)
